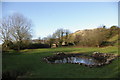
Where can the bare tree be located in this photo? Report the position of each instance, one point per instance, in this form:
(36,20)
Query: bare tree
(51,40)
(59,33)
(67,36)
(61,36)
(21,28)
(5,25)
(17,27)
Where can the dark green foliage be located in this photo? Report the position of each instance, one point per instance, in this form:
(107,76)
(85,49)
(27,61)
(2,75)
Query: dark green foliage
(38,45)
(106,43)
(113,31)
(29,46)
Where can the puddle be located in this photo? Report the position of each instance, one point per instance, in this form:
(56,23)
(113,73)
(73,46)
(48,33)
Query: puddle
(96,59)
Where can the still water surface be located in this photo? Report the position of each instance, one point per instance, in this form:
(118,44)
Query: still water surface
(79,59)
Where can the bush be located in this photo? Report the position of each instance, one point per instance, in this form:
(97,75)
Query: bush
(106,43)
(38,45)
(28,46)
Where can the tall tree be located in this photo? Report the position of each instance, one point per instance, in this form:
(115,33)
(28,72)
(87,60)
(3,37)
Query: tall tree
(5,26)
(67,36)
(18,27)
(50,40)
(59,33)
(21,28)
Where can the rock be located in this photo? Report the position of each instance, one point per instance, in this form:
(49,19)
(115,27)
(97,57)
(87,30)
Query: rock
(64,60)
(107,62)
(60,53)
(68,60)
(56,61)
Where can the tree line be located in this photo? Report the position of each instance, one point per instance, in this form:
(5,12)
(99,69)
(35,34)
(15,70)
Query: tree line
(16,33)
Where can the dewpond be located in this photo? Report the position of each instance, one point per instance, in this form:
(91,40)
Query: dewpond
(78,59)
(96,59)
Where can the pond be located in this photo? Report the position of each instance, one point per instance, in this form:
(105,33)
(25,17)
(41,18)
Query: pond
(78,59)
(96,59)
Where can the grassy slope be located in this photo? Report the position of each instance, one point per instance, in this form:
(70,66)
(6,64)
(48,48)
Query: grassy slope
(30,62)
(114,39)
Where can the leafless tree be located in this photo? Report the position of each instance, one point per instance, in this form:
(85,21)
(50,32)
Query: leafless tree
(17,28)
(21,28)
(5,26)
(67,36)
(51,40)
(61,35)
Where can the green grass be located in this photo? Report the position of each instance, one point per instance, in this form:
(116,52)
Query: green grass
(30,63)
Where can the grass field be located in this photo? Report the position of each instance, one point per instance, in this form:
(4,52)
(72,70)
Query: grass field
(29,64)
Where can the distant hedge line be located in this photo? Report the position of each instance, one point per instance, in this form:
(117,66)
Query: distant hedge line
(26,46)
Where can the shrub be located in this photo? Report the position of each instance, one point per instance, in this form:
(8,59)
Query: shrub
(38,45)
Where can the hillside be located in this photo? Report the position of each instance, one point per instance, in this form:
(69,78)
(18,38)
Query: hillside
(82,32)
(95,37)
(114,40)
